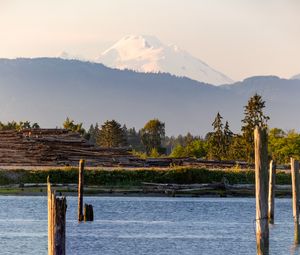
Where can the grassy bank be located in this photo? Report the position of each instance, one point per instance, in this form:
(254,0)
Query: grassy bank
(122,177)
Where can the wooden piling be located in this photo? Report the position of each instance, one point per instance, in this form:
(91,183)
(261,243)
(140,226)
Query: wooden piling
(80,190)
(271,198)
(261,190)
(57,207)
(88,212)
(295,193)
(50,217)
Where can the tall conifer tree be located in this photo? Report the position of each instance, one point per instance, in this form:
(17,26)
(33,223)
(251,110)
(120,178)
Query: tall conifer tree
(254,116)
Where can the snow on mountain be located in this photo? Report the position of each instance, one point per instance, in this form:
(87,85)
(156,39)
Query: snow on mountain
(147,54)
(68,56)
(296,77)
(56,86)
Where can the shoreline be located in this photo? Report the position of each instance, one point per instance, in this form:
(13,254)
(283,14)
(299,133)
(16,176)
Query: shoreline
(169,182)
(133,191)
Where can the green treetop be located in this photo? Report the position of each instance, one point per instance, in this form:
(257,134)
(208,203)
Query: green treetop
(111,134)
(152,135)
(254,116)
(70,125)
(216,139)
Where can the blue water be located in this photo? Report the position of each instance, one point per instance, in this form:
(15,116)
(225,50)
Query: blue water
(125,225)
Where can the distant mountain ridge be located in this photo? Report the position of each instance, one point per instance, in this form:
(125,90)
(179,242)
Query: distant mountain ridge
(148,54)
(47,90)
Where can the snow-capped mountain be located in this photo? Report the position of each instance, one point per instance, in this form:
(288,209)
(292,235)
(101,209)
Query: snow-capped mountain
(296,77)
(131,98)
(147,54)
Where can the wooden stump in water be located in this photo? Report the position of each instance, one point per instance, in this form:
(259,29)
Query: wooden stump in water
(57,207)
(80,190)
(88,212)
(295,193)
(271,198)
(261,192)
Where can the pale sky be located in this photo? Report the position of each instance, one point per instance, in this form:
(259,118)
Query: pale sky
(240,38)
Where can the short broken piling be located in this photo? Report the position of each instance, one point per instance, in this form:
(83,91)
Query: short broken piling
(88,212)
(57,207)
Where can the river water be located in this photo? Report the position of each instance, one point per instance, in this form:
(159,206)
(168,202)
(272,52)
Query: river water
(134,225)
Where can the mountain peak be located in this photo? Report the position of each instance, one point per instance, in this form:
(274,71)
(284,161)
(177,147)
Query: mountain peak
(144,53)
(146,41)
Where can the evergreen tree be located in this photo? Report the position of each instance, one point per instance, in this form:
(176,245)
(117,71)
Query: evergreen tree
(35,125)
(134,139)
(254,116)
(188,139)
(236,149)
(111,134)
(91,135)
(216,139)
(228,137)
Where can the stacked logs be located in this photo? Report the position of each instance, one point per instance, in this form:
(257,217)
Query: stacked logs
(58,147)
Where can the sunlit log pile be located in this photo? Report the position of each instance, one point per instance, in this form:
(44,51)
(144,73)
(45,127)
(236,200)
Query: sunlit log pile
(57,147)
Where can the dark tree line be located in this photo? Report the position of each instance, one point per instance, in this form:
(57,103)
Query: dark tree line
(13,125)
(112,134)
(220,144)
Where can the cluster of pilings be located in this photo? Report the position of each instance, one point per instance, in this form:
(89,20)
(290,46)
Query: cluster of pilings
(87,214)
(264,193)
(57,207)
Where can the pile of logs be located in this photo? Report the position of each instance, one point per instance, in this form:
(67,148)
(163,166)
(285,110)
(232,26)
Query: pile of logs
(55,147)
(60,147)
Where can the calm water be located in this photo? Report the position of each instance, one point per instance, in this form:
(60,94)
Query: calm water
(146,226)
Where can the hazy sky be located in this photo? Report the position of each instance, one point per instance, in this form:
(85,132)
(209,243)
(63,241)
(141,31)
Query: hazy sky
(241,38)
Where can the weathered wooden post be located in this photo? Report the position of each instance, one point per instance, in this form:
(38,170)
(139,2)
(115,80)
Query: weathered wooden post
(80,190)
(295,192)
(50,217)
(271,199)
(88,212)
(57,207)
(261,190)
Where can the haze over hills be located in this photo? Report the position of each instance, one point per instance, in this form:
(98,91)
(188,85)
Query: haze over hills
(148,54)
(47,90)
